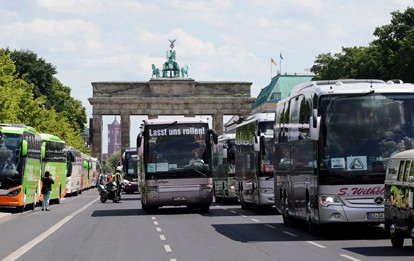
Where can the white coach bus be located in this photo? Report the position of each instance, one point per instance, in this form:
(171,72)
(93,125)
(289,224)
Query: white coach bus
(254,161)
(225,183)
(333,140)
(176,156)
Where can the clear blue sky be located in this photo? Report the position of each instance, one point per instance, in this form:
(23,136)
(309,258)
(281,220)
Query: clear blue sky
(220,40)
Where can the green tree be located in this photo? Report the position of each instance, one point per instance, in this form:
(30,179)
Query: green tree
(387,57)
(112,162)
(37,71)
(18,105)
(395,46)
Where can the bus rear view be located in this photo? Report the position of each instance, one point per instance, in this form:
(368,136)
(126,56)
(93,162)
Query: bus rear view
(176,156)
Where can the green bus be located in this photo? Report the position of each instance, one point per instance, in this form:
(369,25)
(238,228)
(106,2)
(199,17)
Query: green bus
(20,166)
(54,161)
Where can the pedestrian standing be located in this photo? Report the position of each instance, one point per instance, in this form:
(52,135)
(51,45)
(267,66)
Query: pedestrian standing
(47,182)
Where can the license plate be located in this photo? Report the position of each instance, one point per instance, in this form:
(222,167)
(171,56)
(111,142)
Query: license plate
(375,215)
(179,198)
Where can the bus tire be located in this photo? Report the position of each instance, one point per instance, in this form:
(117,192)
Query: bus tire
(397,240)
(312,227)
(33,206)
(287,219)
(205,209)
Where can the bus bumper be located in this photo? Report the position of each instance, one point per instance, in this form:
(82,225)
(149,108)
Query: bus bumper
(345,214)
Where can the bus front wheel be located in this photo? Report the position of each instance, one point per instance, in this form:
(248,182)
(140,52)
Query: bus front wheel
(287,219)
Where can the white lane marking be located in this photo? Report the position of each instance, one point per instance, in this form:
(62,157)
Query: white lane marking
(154,218)
(255,220)
(158,229)
(267,225)
(173,259)
(234,212)
(155,223)
(350,257)
(167,248)
(162,237)
(22,250)
(316,244)
(290,234)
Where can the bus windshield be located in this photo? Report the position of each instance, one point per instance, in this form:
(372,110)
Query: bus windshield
(360,133)
(131,161)
(9,157)
(177,151)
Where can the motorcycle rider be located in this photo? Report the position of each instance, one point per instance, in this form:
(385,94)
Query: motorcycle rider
(117,177)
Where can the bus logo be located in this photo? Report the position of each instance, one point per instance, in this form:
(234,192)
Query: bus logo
(379,200)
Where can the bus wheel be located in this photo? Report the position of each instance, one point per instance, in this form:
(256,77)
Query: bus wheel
(313,228)
(205,209)
(397,240)
(151,210)
(242,202)
(287,219)
(33,206)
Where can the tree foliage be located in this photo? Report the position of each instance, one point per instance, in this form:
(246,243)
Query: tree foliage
(38,72)
(389,56)
(18,104)
(112,162)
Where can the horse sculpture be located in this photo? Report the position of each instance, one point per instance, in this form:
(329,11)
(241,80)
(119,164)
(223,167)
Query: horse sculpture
(155,71)
(184,71)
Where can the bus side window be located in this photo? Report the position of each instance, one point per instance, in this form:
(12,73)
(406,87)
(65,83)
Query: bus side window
(401,171)
(407,170)
(411,170)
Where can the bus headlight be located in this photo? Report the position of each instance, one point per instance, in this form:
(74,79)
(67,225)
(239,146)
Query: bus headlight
(326,200)
(14,192)
(205,187)
(267,190)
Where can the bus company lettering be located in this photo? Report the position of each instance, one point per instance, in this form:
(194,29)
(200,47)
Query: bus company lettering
(157,182)
(354,191)
(176,132)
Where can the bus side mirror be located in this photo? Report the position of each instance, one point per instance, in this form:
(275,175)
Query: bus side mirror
(24,148)
(140,147)
(256,143)
(214,134)
(43,150)
(85,164)
(314,126)
(139,140)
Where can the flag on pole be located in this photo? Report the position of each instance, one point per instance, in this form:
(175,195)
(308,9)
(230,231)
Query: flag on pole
(281,57)
(272,61)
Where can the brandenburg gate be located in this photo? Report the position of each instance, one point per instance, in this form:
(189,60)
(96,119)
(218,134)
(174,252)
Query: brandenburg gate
(171,93)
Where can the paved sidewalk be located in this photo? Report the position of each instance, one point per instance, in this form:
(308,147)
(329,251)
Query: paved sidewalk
(4,215)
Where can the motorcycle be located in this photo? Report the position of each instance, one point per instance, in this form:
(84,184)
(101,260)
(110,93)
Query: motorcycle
(109,191)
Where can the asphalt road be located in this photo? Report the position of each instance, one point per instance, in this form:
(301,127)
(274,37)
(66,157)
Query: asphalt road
(83,228)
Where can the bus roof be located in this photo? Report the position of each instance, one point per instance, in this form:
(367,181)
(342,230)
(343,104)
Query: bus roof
(16,128)
(406,154)
(259,117)
(227,136)
(179,120)
(349,86)
(51,137)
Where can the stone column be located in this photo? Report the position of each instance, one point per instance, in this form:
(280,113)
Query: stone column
(96,145)
(218,123)
(125,131)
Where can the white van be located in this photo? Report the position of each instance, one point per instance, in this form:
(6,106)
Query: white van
(399,189)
